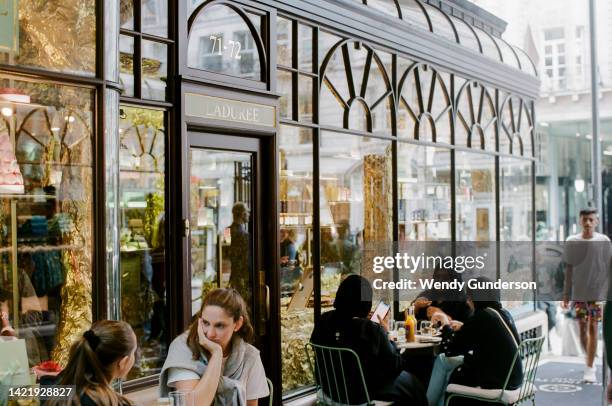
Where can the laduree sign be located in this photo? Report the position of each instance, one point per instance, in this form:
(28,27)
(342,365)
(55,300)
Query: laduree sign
(218,108)
(9,24)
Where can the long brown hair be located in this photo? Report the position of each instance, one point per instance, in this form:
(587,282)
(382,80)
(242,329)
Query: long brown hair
(91,362)
(234,305)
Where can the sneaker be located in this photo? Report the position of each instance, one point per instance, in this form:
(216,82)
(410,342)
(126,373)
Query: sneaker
(590,374)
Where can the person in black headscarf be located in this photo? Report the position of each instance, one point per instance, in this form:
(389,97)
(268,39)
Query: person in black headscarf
(348,326)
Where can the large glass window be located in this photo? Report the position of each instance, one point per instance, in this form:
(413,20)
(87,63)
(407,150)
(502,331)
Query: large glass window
(142,225)
(355,203)
(221,41)
(46,215)
(424,193)
(516,198)
(296,238)
(475,196)
(49,35)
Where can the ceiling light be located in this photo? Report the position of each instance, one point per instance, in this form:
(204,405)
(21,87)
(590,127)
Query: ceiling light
(7,111)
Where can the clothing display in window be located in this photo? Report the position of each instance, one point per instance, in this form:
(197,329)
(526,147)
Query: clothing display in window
(11,180)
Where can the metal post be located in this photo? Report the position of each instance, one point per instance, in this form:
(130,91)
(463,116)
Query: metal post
(596,147)
(596,152)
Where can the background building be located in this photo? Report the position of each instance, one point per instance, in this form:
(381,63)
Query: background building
(556,36)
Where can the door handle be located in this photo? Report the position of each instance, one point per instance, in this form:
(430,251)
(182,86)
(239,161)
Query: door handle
(186,228)
(264,302)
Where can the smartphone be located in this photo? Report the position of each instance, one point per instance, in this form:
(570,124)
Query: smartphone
(381,310)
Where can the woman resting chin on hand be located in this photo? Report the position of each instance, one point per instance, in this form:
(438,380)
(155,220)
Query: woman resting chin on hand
(213,358)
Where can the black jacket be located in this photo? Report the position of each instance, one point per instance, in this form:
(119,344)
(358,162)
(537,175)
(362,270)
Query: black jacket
(380,360)
(488,348)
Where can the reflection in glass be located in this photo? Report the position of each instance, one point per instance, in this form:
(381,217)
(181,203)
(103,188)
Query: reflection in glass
(424,193)
(46,216)
(154,70)
(221,222)
(355,203)
(283,42)
(50,37)
(296,194)
(142,223)
(413,13)
(285,87)
(154,17)
(126,60)
(516,255)
(221,41)
(475,196)
(126,10)
(305,48)
(306,89)
(424,101)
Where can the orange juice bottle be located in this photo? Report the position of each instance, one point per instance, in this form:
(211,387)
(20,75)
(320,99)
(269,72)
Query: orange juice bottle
(410,325)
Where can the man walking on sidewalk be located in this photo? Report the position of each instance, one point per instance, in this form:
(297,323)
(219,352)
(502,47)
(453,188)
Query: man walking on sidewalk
(587,266)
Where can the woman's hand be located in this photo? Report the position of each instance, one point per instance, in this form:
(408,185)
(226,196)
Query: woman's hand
(455,325)
(421,303)
(384,322)
(207,344)
(440,318)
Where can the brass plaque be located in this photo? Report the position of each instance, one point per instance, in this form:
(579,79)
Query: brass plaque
(218,108)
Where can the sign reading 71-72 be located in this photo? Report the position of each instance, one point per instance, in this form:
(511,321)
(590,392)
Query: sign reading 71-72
(233,48)
(9,24)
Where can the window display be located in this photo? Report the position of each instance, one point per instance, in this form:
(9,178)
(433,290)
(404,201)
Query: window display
(46,203)
(296,239)
(142,233)
(424,192)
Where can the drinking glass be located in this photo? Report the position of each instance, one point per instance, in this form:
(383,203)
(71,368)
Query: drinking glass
(181,398)
(426,328)
(164,402)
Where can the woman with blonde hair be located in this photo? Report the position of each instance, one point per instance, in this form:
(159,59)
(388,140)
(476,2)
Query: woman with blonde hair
(102,354)
(213,358)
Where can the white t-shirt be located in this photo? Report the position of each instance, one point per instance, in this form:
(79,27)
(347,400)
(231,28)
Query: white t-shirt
(254,379)
(591,259)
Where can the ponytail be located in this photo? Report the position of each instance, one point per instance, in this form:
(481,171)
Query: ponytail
(92,360)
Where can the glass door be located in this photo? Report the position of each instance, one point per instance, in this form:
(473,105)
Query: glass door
(224,219)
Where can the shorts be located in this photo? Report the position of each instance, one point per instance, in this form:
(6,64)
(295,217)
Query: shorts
(588,311)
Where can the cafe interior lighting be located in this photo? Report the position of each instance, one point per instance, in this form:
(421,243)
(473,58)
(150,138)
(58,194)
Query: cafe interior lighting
(7,111)
(579,185)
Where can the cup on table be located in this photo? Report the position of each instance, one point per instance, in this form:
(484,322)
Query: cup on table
(426,328)
(181,398)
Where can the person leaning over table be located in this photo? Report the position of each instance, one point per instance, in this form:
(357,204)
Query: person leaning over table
(213,358)
(479,352)
(347,326)
(442,306)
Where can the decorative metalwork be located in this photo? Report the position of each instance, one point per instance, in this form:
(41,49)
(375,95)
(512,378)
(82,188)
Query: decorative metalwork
(515,127)
(424,96)
(360,82)
(475,117)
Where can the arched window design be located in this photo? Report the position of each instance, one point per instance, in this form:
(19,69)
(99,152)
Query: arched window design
(425,106)
(516,127)
(224,38)
(355,86)
(386,6)
(475,117)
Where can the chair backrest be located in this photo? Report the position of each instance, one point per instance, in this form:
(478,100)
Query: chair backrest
(529,354)
(338,374)
(271,387)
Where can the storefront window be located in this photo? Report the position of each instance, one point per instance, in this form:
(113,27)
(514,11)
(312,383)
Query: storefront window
(424,192)
(296,238)
(46,214)
(355,203)
(154,17)
(221,41)
(516,255)
(475,196)
(154,70)
(425,107)
(367,89)
(45,35)
(126,64)
(142,235)
(475,124)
